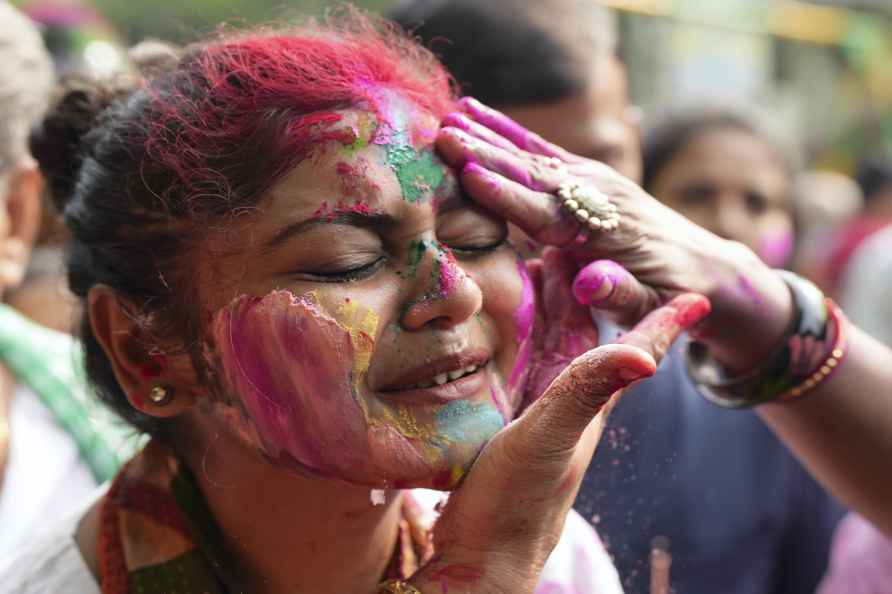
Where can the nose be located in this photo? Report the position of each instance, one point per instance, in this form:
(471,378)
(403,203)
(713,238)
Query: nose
(442,295)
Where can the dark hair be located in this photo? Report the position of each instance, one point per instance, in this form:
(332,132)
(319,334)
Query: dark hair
(874,173)
(495,50)
(673,133)
(141,169)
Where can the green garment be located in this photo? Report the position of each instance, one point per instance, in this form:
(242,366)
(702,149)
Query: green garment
(51,365)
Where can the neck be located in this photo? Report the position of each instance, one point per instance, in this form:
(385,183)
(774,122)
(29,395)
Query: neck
(292,534)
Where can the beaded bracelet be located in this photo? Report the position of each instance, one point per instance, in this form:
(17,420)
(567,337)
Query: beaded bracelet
(811,351)
(397,587)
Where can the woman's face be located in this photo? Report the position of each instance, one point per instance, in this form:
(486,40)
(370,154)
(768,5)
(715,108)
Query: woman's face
(733,184)
(367,322)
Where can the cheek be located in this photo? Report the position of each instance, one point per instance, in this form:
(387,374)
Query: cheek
(295,368)
(509,300)
(776,241)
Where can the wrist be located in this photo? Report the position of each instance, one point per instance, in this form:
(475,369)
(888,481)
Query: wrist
(494,571)
(752,309)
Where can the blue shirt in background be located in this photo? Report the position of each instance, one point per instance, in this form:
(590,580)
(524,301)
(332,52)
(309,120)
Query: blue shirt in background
(740,514)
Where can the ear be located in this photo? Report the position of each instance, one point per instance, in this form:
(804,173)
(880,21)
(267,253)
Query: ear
(139,364)
(21,211)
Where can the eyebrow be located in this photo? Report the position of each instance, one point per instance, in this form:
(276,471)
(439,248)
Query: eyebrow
(334,217)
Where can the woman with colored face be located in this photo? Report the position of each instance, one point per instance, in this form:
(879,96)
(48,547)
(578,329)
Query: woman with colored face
(287,288)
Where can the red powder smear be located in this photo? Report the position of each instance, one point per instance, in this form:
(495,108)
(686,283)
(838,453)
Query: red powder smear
(152,369)
(221,102)
(463,574)
(356,182)
(569,481)
(442,481)
(326,212)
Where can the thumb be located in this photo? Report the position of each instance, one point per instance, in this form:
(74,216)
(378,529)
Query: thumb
(556,421)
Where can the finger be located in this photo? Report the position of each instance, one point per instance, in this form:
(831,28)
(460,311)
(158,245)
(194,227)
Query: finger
(612,289)
(508,128)
(536,213)
(466,124)
(569,329)
(555,423)
(660,328)
(458,147)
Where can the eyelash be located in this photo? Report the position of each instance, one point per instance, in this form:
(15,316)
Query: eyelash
(479,251)
(351,274)
(367,270)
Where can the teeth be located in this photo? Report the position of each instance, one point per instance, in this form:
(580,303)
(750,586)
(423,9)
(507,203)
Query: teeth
(454,375)
(470,369)
(441,378)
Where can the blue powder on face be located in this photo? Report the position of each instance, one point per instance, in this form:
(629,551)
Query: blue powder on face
(461,421)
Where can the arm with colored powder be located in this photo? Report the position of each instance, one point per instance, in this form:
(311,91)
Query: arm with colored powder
(842,431)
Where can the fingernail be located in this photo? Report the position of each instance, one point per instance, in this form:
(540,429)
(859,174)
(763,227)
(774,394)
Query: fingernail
(471,102)
(474,169)
(591,288)
(457,120)
(695,308)
(630,375)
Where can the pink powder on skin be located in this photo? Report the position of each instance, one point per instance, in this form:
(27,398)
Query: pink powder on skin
(507,127)
(294,367)
(524,317)
(777,248)
(450,273)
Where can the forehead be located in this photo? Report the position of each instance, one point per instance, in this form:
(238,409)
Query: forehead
(368,157)
(730,156)
(731,148)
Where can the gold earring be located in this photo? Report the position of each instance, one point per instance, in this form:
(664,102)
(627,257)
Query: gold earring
(161,395)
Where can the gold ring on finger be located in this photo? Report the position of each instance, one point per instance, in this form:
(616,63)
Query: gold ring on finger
(589,206)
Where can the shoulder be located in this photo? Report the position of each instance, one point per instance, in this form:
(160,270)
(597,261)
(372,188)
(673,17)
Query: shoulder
(579,563)
(50,564)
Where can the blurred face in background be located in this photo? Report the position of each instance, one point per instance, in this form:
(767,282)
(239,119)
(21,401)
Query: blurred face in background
(734,184)
(598,124)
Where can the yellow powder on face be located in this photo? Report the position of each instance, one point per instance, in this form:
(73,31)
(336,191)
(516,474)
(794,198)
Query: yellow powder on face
(362,324)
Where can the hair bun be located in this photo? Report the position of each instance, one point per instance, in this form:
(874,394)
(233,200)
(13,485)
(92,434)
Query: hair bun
(58,141)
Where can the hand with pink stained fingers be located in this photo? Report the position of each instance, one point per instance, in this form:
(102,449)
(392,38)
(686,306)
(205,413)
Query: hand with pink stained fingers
(501,523)
(653,254)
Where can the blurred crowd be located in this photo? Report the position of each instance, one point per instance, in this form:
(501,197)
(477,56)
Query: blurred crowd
(728,521)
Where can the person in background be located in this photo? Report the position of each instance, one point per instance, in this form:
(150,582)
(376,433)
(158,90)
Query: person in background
(672,465)
(863,259)
(730,172)
(874,176)
(824,202)
(55,443)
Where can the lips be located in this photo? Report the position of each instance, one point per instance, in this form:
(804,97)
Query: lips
(440,372)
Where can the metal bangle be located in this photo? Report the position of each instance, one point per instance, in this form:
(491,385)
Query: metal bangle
(788,372)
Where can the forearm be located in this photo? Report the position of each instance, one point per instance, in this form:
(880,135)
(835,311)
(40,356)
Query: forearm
(842,432)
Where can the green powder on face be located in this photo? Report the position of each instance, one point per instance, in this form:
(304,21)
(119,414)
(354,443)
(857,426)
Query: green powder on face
(418,174)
